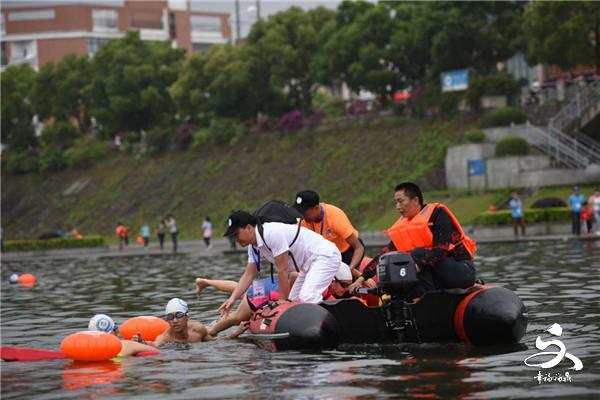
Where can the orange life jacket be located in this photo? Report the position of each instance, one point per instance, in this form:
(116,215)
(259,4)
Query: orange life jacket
(408,234)
(121,231)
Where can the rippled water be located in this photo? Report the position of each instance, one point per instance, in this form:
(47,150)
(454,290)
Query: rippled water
(558,281)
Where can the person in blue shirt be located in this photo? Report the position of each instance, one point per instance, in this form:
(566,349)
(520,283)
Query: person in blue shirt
(145,233)
(576,202)
(516,207)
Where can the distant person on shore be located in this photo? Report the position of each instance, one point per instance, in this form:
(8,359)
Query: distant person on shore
(171,224)
(576,202)
(123,235)
(587,217)
(207,231)
(117,142)
(333,224)
(160,232)
(145,232)
(518,217)
(594,200)
(434,238)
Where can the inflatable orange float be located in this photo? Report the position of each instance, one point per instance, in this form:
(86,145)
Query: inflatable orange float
(91,346)
(148,327)
(27,279)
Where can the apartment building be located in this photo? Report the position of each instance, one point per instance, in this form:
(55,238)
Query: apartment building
(46,32)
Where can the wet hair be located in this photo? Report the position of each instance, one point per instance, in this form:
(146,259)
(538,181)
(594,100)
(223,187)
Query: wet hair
(411,190)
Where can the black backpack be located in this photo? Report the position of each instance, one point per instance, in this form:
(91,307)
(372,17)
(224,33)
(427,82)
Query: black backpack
(278,211)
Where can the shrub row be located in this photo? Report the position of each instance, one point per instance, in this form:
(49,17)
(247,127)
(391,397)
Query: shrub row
(512,146)
(62,243)
(531,216)
(505,116)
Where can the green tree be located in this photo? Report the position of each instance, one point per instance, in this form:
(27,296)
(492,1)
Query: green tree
(190,90)
(472,35)
(130,89)
(563,33)
(17,113)
(287,43)
(62,90)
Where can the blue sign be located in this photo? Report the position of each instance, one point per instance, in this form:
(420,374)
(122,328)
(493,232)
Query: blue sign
(476,167)
(453,81)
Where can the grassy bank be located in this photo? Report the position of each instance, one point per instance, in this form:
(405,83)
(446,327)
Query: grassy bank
(354,168)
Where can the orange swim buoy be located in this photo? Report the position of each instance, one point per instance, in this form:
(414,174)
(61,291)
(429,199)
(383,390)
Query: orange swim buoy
(148,327)
(91,346)
(139,239)
(27,279)
(80,375)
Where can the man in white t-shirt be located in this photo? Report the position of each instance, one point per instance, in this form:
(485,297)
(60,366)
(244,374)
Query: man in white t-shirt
(289,248)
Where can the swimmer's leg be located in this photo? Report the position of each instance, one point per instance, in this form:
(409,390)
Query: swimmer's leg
(222,285)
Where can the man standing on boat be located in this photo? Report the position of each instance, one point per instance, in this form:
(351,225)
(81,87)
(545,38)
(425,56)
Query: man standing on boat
(333,224)
(289,248)
(435,240)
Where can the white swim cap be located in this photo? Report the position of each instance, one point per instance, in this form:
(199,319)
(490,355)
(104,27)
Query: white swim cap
(175,304)
(102,323)
(343,273)
(14,278)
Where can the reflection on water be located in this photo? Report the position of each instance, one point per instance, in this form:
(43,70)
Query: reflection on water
(558,282)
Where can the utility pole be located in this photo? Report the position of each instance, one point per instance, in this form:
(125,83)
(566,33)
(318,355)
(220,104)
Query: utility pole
(258,10)
(237,20)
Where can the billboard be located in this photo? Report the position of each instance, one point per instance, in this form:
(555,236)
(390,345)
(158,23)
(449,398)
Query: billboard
(456,80)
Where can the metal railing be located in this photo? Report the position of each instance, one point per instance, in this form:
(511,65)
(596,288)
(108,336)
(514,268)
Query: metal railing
(587,141)
(587,97)
(563,148)
(576,151)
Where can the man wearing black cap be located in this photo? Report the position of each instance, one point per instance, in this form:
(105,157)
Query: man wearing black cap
(290,249)
(333,224)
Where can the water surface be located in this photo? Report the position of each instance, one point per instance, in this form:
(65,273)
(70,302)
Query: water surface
(559,282)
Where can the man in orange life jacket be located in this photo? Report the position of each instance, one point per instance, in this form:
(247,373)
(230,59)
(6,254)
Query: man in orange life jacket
(435,240)
(333,224)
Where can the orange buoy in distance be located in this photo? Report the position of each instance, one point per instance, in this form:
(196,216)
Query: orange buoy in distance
(91,346)
(27,279)
(149,327)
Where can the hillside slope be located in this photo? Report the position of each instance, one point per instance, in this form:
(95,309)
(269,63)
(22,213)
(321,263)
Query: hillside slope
(354,168)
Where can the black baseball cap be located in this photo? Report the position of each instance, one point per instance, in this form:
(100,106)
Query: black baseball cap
(239,219)
(305,200)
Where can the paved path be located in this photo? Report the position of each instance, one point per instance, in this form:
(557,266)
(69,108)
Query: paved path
(196,248)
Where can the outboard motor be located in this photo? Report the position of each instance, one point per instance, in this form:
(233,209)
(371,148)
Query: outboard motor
(397,277)
(397,274)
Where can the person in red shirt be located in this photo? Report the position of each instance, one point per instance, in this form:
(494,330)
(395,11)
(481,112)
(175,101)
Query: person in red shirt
(587,217)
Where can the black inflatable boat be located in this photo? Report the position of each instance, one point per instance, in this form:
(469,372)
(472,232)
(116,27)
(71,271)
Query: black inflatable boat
(480,315)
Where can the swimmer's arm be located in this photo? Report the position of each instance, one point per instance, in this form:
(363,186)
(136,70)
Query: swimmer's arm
(161,339)
(241,328)
(202,331)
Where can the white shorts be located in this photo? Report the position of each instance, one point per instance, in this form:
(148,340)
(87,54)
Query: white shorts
(310,285)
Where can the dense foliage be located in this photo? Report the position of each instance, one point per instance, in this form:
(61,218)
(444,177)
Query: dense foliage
(512,146)
(138,89)
(503,217)
(61,243)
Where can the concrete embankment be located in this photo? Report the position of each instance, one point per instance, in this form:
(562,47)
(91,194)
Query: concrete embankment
(197,248)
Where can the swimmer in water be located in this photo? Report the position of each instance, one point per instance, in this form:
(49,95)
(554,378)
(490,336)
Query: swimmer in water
(181,329)
(104,323)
